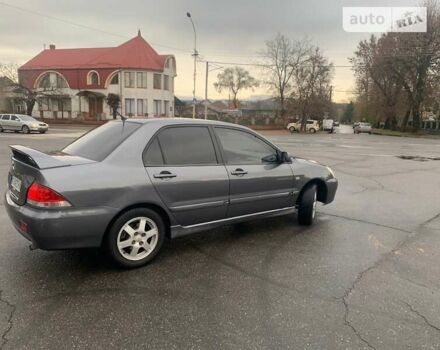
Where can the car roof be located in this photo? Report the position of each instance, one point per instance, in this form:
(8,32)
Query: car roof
(181,121)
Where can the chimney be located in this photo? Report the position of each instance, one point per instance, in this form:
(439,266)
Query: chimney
(52,46)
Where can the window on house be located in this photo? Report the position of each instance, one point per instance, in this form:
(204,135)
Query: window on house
(130,108)
(141,110)
(167,107)
(61,82)
(142,80)
(166,82)
(115,80)
(45,82)
(157,83)
(67,104)
(129,79)
(157,107)
(93,78)
(43,104)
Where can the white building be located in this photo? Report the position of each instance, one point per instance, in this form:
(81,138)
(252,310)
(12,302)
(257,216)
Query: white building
(74,83)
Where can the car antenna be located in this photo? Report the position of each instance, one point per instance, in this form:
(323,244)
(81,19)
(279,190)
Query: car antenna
(121,116)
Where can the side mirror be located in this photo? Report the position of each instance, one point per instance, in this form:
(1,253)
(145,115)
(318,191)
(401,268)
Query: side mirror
(283,157)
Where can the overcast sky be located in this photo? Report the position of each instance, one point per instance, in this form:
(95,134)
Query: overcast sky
(227,31)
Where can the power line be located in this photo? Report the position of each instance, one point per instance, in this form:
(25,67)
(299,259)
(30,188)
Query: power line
(80,25)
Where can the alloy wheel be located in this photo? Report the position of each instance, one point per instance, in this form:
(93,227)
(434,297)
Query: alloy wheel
(137,238)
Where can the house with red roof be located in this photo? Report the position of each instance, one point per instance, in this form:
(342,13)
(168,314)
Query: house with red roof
(74,83)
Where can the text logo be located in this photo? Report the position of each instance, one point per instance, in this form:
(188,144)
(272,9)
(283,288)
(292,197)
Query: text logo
(384,19)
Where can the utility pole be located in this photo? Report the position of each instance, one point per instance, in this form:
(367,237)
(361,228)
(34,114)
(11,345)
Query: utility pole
(206,90)
(195,54)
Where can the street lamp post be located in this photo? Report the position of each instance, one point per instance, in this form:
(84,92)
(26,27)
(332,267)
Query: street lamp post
(195,54)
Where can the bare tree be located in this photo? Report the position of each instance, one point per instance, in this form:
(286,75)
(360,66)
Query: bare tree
(282,56)
(312,86)
(235,79)
(29,97)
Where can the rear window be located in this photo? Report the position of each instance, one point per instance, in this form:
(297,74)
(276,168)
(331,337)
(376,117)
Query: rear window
(100,142)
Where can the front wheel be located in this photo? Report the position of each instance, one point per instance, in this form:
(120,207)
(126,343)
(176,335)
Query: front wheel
(307,206)
(136,237)
(312,130)
(25,129)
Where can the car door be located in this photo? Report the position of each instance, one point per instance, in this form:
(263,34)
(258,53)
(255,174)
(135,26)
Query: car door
(183,164)
(258,182)
(5,122)
(15,123)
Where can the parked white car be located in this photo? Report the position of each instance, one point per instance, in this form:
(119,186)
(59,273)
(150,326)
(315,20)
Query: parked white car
(311,126)
(362,127)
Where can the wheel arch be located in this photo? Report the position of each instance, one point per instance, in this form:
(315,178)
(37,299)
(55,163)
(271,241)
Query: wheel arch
(322,190)
(158,209)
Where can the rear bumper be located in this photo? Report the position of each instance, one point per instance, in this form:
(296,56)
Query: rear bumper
(60,229)
(332,186)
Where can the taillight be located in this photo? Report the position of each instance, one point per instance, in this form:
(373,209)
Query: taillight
(42,196)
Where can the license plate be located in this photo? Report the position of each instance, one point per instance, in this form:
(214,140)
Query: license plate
(16,184)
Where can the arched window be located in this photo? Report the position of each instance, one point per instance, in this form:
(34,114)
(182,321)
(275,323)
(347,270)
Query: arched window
(115,79)
(92,78)
(52,80)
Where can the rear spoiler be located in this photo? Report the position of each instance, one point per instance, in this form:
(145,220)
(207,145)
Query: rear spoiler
(35,158)
(41,160)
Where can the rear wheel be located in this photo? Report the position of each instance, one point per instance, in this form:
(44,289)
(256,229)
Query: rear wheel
(42,132)
(136,237)
(307,206)
(1,129)
(25,129)
(292,129)
(312,130)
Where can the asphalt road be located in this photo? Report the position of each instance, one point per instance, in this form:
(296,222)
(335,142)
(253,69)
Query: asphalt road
(365,276)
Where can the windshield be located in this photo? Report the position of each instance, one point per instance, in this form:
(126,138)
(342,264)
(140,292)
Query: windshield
(98,143)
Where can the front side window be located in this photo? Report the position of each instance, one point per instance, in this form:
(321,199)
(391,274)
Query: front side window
(187,146)
(157,83)
(240,147)
(129,78)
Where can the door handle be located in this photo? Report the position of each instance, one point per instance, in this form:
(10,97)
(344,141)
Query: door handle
(239,172)
(164,175)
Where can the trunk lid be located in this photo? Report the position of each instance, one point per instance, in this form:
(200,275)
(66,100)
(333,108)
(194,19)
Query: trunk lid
(28,165)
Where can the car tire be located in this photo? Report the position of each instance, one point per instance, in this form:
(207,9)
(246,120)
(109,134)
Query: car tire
(312,130)
(1,129)
(130,245)
(292,129)
(42,132)
(307,206)
(25,129)
(369,132)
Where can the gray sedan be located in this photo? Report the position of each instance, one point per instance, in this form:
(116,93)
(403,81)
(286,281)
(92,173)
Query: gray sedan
(128,185)
(23,123)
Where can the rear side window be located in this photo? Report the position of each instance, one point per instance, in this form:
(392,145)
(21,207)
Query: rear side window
(189,145)
(100,142)
(5,117)
(153,155)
